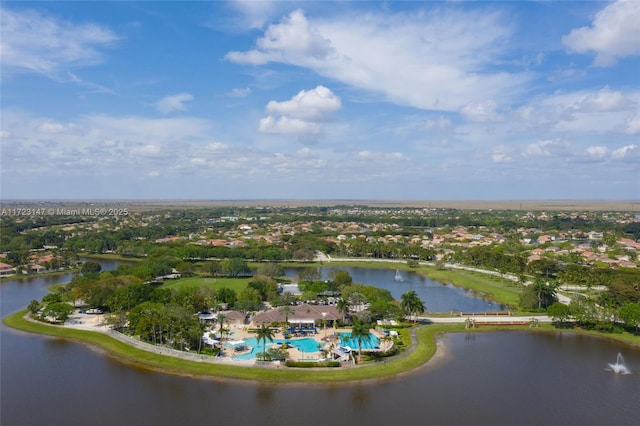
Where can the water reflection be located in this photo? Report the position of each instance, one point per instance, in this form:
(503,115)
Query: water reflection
(438,297)
(501,378)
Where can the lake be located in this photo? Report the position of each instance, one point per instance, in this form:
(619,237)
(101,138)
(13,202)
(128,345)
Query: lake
(497,378)
(438,297)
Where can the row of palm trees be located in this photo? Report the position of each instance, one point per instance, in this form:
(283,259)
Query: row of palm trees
(360,332)
(412,304)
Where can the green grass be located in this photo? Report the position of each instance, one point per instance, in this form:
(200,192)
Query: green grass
(497,289)
(237,284)
(423,351)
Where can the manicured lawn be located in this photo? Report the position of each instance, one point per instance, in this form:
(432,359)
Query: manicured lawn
(237,284)
(500,290)
(424,350)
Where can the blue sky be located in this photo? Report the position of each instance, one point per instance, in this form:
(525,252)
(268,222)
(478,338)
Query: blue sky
(320,100)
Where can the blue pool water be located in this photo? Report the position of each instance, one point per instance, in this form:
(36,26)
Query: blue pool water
(306,345)
(372,343)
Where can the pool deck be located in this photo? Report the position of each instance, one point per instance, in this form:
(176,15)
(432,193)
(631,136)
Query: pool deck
(328,336)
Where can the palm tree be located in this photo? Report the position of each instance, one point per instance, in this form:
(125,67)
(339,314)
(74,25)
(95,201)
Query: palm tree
(545,292)
(221,319)
(357,299)
(387,341)
(287,311)
(343,307)
(412,304)
(360,332)
(264,332)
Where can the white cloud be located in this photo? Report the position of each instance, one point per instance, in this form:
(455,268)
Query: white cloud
(633,125)
(146,151)
(437,60)
(255,12)
(285,42)
(613,34)
(545,148)
(581,112)
(627,151)
(604,100)
(501,155)
(481,112)
(302,115)
(288,126)
(597,152)
(173,103)
(240,93)
(30,40)
(54,127)
(440,123)
(312,105)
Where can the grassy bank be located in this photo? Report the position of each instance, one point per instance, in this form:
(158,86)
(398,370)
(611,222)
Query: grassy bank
(496,289)
(424,349)
(39,275)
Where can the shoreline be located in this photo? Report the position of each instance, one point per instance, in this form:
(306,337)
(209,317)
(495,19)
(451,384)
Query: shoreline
(427,350)
(421,351)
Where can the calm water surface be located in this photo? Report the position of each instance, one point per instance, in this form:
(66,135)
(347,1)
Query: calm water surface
(503,378)
(438,297)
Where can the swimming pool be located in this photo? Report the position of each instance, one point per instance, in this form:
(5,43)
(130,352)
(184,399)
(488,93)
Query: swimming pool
(306,345)
(372,343)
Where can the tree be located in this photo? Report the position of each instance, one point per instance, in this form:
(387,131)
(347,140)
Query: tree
(287,311)
(343,307)
(412,304)
(630,314)
(357,299)
(539,294)
(360,333)
(226,295)
(33,306)
(340,277)
(309,274)
(263,333)
(271,270)
(266,286)
(90,267)
(559,312)
(221,320)
(234,266)
(57,311)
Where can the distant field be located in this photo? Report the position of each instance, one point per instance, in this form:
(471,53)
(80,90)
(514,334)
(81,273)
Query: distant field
(237,284)
(526,205)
